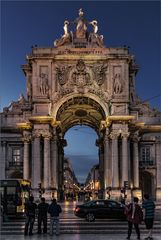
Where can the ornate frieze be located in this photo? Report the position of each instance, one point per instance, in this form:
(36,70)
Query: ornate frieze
(80,78)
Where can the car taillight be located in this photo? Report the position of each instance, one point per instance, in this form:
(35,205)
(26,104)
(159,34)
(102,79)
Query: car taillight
(77,209)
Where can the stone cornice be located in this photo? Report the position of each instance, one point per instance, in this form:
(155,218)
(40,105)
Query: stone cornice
(151,128)
(116,118)
(143,127)
(120,118)
(41,119)
(24,126)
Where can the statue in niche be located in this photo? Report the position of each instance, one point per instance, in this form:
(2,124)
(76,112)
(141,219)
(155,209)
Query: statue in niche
(66,36)
(81,27)
(117,83)
(44,88)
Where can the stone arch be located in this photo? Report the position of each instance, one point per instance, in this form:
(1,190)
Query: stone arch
(64,99)
(80,109)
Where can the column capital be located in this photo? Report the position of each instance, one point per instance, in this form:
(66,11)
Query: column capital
(125,134)
(114,135)
(36,133)
(26,137)
(46,134)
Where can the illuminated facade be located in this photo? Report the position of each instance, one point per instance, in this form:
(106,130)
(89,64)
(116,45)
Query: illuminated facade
(80,81)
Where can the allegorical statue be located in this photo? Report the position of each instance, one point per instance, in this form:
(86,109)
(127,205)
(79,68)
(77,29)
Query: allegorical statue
(81,27)
(95,26)
(66,36)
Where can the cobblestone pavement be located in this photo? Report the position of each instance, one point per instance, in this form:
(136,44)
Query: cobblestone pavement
(75,237)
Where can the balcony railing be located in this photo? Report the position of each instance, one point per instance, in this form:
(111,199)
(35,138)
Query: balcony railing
(147,163)
(15,164)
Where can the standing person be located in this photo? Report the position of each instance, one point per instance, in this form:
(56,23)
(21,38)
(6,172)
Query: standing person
(54,210)
(42,215)
(30,208)
(134,216)
(149,207)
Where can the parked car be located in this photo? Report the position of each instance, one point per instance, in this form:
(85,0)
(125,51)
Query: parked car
(100,209)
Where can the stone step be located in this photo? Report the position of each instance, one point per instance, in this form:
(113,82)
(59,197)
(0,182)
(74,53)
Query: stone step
(74,226)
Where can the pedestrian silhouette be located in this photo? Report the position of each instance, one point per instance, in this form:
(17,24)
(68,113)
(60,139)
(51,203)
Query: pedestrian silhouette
(149,208)
(134,216)
(54,210)
(42,215)
(30,208)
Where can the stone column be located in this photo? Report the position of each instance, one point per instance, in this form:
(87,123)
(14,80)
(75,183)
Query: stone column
(3,160)
(115,168)
(26,163)
(107,173)
(135,163)
(54,162)
(158,164)
(125,164)
(36,169)
(47,169)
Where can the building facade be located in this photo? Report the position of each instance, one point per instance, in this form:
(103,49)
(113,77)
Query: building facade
(80,81)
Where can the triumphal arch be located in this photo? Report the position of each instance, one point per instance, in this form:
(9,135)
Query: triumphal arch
(80,81)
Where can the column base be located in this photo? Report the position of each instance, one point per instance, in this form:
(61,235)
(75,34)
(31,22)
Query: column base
(158,195)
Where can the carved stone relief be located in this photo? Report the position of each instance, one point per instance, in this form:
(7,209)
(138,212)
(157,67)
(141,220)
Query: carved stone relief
(43,78)
(100,73)
(118,88)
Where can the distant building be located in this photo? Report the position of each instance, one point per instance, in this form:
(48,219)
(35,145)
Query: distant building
(71,184)
(80,81)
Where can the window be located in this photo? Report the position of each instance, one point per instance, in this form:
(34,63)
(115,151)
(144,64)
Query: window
(146,156)
(16,155)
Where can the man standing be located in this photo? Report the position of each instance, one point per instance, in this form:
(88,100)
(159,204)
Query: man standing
(42,215)
(54,210)
(30,208)
(149,207)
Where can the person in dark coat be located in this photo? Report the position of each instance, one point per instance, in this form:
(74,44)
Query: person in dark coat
(149,207)
(30,208)
(54,210)
(134,216)
(42,215)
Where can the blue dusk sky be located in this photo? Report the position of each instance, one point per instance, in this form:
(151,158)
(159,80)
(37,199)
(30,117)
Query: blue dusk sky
(132,23)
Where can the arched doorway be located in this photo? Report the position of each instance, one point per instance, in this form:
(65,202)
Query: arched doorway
(146,183)
(81,170)
(80,110)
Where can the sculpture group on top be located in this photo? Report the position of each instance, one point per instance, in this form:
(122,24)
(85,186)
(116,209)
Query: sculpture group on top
(80,34)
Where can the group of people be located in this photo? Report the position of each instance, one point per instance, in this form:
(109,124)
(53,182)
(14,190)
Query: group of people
(43,209)
(133,211)
(136,213)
